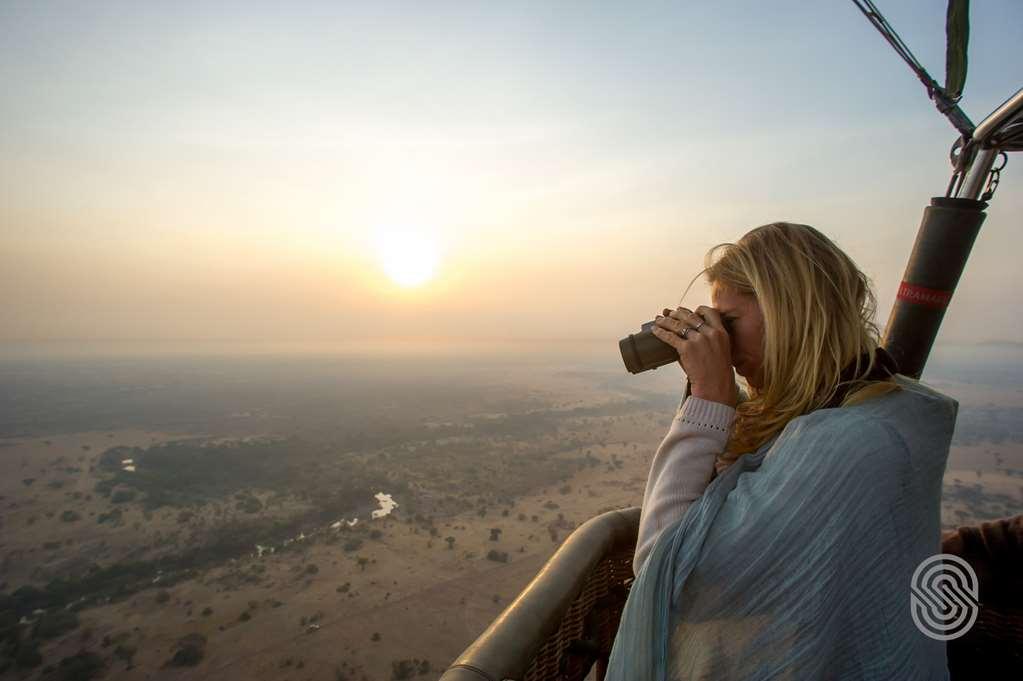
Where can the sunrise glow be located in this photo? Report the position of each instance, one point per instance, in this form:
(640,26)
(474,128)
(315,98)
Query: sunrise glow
(409,256)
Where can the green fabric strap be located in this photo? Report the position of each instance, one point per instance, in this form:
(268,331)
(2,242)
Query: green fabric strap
(957,35)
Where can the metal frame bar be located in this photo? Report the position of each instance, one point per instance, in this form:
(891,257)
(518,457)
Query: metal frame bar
(992,125)
(970,181)
(512,641)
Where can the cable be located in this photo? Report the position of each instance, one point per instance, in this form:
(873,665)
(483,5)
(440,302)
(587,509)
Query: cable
(946,105)
(888,33)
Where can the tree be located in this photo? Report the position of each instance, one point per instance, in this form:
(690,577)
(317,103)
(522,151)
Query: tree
(363,561)
(54,623)
(402,669)
(190,651)
(495,533)
(81,667)
(450,541)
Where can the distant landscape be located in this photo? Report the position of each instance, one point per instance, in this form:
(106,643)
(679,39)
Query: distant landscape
(338,516)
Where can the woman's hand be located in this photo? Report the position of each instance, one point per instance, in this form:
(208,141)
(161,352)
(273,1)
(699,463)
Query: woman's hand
(704,353)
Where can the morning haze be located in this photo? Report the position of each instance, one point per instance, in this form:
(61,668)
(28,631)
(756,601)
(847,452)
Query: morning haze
(231,173)
(308,338)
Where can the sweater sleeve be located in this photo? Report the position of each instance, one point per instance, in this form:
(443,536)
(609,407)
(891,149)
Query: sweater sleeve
(682,468)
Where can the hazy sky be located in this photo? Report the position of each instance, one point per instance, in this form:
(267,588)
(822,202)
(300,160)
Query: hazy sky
(229,170)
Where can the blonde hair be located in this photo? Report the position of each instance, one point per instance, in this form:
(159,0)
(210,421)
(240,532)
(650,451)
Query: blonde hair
(818,311)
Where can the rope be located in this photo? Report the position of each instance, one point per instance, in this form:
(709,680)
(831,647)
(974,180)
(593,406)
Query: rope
(885,29)
(946,105)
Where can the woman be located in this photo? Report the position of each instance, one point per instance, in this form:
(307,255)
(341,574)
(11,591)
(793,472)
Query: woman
(780,528)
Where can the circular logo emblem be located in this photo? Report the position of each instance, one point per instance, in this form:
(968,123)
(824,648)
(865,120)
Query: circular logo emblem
(944,598)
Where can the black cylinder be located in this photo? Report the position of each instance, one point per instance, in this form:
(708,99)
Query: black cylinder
(643,350)
(947,232)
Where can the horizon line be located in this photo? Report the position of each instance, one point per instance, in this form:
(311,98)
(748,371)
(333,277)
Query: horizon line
(372,339)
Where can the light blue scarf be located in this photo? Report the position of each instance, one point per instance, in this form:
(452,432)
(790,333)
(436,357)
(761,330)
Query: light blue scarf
(796,561)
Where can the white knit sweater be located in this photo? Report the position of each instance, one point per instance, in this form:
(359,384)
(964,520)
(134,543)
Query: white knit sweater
(681,468)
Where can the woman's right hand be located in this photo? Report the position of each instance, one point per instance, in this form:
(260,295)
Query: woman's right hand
(704,353)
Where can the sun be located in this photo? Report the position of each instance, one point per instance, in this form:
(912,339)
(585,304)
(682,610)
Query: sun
(408,255)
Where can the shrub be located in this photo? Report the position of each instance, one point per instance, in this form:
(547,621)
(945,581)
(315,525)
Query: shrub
(402,669)
(125,652)
(113,517)
(81,667)
(28,656)
(249,505)
(190,650)
(55,623)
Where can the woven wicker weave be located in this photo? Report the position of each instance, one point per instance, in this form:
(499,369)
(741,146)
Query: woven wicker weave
(588,629)
(993,647)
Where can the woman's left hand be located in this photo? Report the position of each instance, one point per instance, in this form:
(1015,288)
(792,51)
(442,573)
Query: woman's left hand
(705,353)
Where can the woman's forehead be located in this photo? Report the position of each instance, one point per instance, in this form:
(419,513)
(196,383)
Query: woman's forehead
(727,299)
